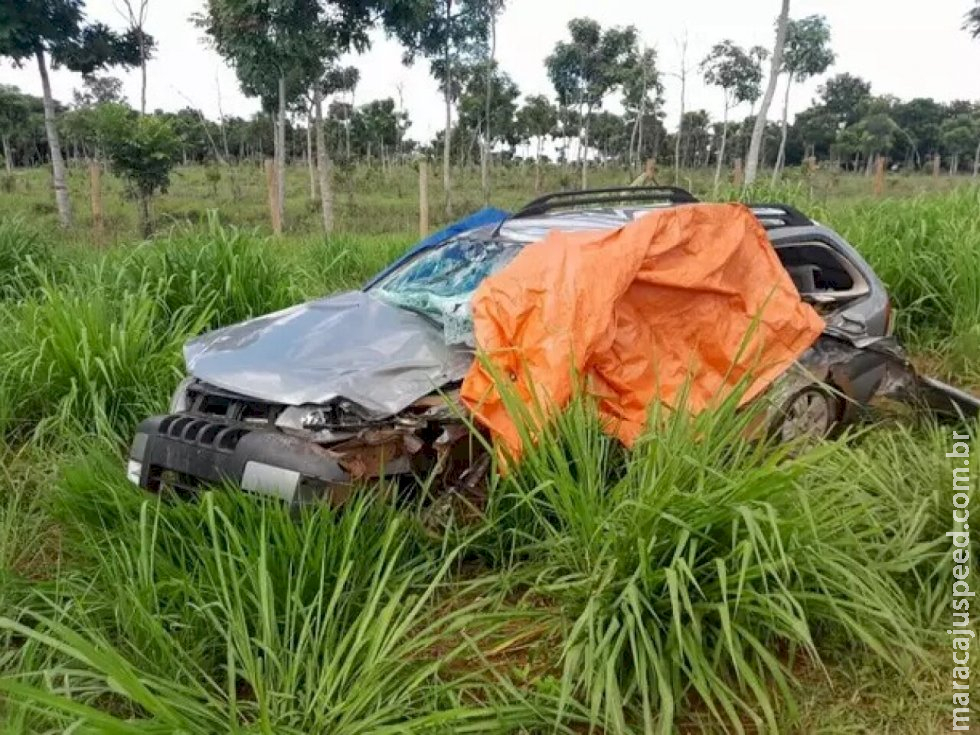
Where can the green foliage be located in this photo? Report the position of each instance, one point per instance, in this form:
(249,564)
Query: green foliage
(472,104)
(734,70)
(537,118)
(845,97)
(58,27)
(449,33)
(961,133)
(142,149)
(592,64)
(807,51)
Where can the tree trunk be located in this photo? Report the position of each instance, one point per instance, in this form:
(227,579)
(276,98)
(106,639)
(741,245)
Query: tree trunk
(143,204)
(446,182)
(784,134)
(485,153)
(680,129)
(309,157)
(8,159)
(142,71)
(281,152)
(630,157)
(639,136)
(976,162)
(323,163)
(752,163)
(537,165)
(54,144)
(585,148)
(721,149)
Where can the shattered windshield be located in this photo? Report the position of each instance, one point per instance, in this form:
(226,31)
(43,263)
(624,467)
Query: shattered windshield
(440,283)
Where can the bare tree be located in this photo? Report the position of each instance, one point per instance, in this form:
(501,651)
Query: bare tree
(776,66)
(135,15)
(493,8)
(682,75)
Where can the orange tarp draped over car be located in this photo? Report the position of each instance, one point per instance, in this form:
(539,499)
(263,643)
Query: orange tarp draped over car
(689,298)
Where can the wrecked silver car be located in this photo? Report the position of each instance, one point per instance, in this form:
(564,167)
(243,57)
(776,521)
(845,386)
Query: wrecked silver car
(306,403)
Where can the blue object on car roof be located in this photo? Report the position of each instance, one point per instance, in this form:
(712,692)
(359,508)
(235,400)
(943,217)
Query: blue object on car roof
(486,216)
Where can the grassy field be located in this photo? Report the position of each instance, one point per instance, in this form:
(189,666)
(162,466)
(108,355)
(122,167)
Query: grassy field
(699,583)
(372,200)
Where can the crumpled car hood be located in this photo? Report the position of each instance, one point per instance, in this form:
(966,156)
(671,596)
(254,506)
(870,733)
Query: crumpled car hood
(350,346)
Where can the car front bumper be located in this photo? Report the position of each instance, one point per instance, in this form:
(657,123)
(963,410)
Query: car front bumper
(184,452)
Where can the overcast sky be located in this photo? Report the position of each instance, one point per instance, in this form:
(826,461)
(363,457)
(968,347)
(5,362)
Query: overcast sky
(903,47)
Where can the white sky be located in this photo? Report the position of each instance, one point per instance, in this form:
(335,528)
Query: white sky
(903,47)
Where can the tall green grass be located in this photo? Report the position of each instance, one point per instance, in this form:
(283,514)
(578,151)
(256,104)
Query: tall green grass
(699,581)
(232,615)
(89,345)
(697,571)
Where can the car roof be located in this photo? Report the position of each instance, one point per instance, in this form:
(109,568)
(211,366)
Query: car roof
(779,220)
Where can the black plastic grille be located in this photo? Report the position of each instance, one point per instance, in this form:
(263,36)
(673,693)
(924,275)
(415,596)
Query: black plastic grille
(205,432)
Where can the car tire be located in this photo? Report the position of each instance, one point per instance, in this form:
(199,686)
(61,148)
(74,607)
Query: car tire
(811,414)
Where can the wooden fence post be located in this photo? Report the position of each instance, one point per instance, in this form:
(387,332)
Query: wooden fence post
(272,183)
(95,185)
(937,163)
(739,178)
(879,183)
(423,198)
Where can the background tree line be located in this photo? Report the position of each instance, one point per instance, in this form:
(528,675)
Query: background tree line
(607,106)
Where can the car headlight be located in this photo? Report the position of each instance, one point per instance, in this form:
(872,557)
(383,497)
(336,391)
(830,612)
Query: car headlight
(180,402)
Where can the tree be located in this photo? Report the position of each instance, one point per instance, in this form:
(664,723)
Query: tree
(642,97)
(499,126)
(57,29)
(682,76)
(267,41)
(697,137)
(731,68)
(492,8)
(588,67)
(537,120)
(14,113)
(959,136)
(920,120)
(752,163)
(142,150)
(136,17)
(807,54)
(846,97)
(817,129)
(973,20)
(876,134)
(97,90)
(448,33)
(343,80)
(280,48)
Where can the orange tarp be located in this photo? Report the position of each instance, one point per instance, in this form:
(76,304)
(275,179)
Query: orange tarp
(691,297)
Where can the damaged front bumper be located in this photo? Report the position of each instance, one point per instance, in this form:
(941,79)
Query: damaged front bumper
(187,451)
(183,452)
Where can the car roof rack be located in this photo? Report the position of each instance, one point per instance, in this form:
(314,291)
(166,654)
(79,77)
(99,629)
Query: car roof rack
(670,195)
(580,197)
(772,216)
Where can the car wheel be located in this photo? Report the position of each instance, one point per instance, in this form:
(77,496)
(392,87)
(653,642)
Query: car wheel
(810,414)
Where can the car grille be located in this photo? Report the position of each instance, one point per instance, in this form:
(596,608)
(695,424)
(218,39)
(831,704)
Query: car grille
(207,401)
(206,432)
